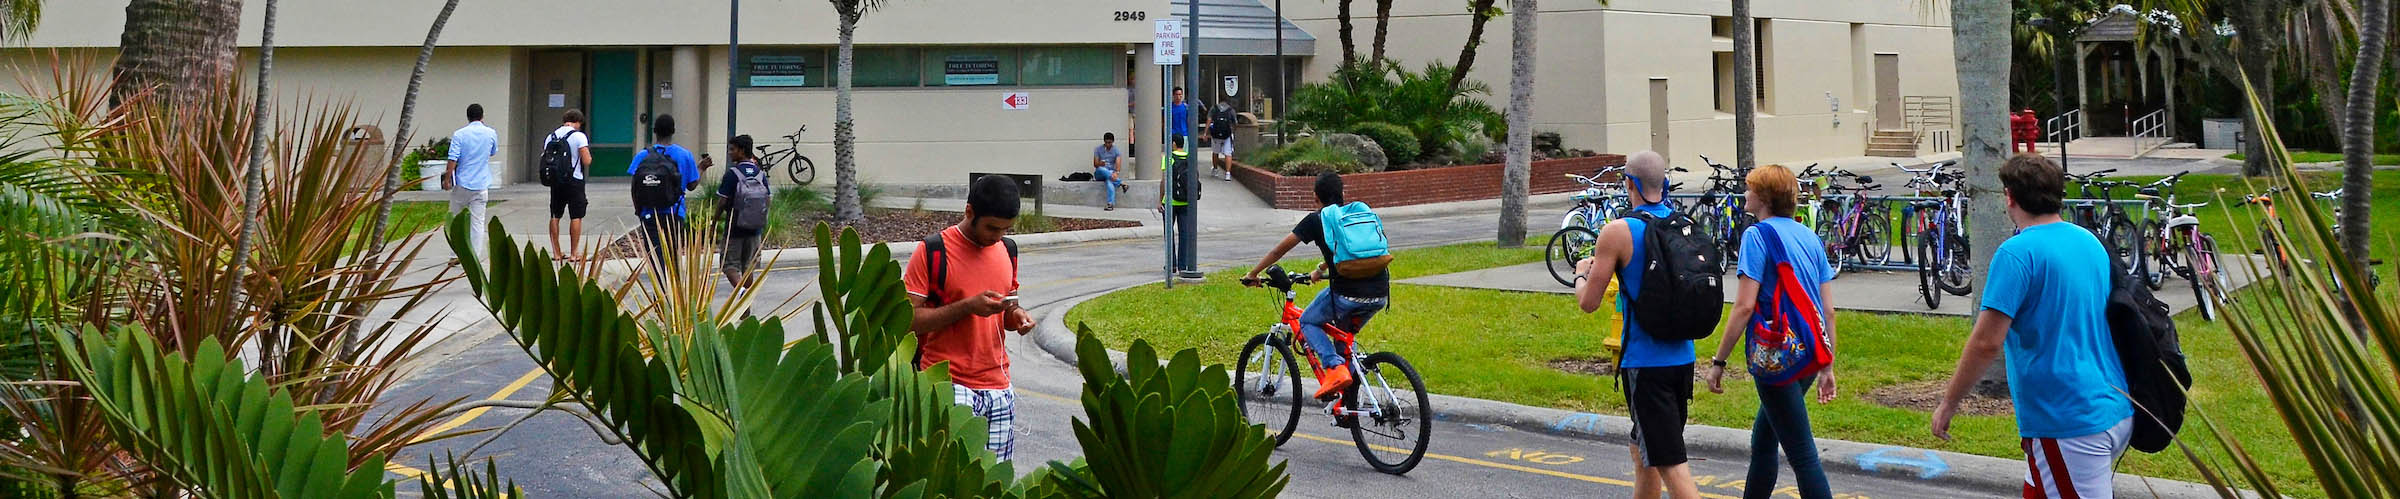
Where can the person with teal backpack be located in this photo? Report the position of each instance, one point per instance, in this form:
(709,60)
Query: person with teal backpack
(1781,318)
(1357,257)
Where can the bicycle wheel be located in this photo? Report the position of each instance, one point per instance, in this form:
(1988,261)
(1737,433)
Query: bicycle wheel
(2208,280)
(1871,243)
(1956,269)
(1567,247)
(2125,242)
(1399,422)
(2160,256)
(1270,395)
(1829,230)
(800,170)
(1929,265)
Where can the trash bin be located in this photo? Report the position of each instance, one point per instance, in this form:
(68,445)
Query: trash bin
(365,148)
(1245,133)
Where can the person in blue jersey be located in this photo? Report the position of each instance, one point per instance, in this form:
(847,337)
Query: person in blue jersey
(2045,304)
(1655,374)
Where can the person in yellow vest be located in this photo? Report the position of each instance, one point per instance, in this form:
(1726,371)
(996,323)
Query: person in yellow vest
(1178,195)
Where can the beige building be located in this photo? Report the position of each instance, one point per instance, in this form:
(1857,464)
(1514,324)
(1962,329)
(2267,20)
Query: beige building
(935,77)
(1657,74)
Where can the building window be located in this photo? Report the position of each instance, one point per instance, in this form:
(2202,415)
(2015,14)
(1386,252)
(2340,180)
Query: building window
(1765,52)
(1070,66)
(886,67)
(1724,81)
(952,67)
(788,67)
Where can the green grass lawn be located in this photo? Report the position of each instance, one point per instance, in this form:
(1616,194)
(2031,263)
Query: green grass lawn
(1497,345)
(2325,157)
(409,217)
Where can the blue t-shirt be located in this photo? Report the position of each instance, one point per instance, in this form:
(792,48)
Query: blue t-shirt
(1800,244)
(684,165)
(1640,349)
(1182,116)
(2063,372)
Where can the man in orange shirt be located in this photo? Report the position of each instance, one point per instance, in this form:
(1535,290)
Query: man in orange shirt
(964,284)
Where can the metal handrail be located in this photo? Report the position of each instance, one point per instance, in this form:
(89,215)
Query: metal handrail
(2149,133)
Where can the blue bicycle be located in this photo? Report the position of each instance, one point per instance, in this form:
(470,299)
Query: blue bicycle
(1720,213)
(1942,258)
(1600,202)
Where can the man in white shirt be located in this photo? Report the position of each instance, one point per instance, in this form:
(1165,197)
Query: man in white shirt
(470,172)
(567,199)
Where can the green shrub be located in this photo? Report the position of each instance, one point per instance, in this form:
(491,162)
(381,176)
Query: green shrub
(1418,101)
(1309,158)
(1399,145)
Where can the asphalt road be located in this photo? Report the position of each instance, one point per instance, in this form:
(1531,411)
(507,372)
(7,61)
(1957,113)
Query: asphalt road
(555,455)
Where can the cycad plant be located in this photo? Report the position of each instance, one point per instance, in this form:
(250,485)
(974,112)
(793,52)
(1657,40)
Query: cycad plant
(1443,118)
(733,410)
(2326,350)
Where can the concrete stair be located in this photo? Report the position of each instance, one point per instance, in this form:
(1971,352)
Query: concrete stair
(1892,144)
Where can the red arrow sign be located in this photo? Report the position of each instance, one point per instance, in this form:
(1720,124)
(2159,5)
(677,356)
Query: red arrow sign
(1014,100)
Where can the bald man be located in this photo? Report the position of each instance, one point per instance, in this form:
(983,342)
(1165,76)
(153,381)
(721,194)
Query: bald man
(1655,374)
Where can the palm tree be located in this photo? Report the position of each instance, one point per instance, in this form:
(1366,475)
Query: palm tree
(18,18)
(179,48)
(253,176)
(1745,87)
(381,232)
(1341,17)
(1484,11)
(1383,27)
(1519,169)
(2358,129)
(845,141)
(1980,29)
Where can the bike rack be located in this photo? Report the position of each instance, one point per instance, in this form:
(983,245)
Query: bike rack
(1906,259)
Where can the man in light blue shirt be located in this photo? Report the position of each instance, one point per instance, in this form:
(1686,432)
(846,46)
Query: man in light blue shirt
(469,176)
(2046,305)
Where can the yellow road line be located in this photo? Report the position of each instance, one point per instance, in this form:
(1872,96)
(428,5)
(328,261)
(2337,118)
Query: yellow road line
(1504,466)
(462,419)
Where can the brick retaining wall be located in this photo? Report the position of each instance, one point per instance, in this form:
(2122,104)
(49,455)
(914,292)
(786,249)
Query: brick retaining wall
(1426,186)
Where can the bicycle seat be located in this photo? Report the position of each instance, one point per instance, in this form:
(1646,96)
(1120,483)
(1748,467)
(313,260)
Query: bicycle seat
(2148,191)
(1864,180)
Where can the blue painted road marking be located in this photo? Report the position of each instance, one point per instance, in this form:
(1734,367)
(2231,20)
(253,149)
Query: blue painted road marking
(1583,421)
(1927,468)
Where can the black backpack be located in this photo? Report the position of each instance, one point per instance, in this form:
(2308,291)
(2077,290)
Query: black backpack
(1682,290)
(558,163)
(1221,127)
(657,182)
(937,257)
(2152,355)
(1186,190)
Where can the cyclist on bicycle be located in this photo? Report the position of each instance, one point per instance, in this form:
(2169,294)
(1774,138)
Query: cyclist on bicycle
(1351,301)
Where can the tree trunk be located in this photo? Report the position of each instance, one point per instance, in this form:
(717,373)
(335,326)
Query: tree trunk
(1383,25)
(177,48)
(1980,34)
(1482,10)
(2358,133)
(1519,170)
(845,148)
(1341,17)
(2256,54)
(392,177)
(254,180)
(1745,87)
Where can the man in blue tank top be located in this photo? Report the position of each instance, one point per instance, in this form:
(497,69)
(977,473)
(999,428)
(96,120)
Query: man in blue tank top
(1655,374)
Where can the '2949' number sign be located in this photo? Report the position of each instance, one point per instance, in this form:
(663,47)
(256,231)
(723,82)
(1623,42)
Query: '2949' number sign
(1132,15)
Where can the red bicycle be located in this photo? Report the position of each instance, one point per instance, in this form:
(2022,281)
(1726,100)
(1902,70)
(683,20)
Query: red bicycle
(1390,426)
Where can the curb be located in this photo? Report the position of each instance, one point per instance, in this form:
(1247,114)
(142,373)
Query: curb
(1982,474)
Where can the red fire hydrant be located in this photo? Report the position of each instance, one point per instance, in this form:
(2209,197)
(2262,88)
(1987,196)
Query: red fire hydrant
(2025,129)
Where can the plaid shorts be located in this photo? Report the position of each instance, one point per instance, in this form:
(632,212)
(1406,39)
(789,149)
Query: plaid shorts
(1000,408)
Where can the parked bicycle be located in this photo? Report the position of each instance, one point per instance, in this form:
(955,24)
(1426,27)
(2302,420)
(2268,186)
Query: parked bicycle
(1720,212)
(1600,202)
(1855,225)
(796,166)
(1941,244)
(2179,247)
(2109,220)
(1267,382)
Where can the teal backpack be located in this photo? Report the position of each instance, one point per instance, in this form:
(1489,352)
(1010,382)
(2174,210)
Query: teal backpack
(1356,237)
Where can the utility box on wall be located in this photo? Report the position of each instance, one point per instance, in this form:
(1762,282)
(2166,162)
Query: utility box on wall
(2221,133)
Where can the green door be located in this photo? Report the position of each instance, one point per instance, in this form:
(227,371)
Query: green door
(616,86)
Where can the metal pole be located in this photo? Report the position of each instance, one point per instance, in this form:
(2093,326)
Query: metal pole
(1191,72)
(733,65)
(1282,102)
(1166,191)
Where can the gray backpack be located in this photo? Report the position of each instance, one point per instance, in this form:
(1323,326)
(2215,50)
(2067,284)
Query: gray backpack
(750,199)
